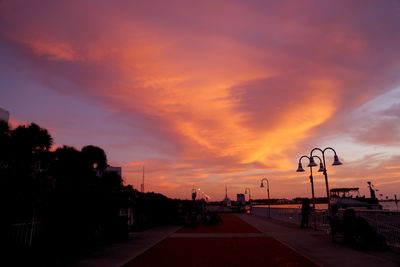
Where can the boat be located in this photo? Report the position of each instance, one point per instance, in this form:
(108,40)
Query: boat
(343,198)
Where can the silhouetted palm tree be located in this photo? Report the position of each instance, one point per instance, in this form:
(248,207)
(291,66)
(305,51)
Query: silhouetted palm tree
(28,144)
(32,138)
(95,157)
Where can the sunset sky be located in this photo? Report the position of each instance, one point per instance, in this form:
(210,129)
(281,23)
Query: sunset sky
(212,93)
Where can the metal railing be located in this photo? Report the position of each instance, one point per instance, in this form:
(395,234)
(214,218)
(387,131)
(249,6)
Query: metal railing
(25,234)
(386,223)
(293,215)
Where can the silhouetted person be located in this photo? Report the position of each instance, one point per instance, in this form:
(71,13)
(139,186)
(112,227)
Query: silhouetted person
(239,207)
(349,225)
(305,212)
(334,222)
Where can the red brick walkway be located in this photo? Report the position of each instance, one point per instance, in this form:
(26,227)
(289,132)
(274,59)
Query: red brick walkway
(220,249)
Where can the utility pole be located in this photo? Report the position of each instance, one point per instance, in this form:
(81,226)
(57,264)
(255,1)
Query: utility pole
(142,185)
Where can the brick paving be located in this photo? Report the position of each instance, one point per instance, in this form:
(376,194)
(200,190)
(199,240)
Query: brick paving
(243,240)
(233,243)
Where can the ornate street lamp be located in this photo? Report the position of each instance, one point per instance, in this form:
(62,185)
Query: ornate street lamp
(269,201)
(335,163)
(321,168)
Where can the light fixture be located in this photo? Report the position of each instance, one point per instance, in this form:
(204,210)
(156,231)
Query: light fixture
(300,168)
(321,167)
(312,162)
(336,161)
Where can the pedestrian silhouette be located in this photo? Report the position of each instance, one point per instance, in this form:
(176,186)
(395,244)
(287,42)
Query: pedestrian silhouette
(305,212)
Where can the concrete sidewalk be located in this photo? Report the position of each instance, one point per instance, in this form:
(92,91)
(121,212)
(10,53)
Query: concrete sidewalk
(318,246)
(118,254)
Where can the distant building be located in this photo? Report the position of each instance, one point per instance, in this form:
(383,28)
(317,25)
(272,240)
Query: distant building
(114,169)
(4,115)
(241,200)
(226,202)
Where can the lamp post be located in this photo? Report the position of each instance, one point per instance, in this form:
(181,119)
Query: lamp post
(269,201)
(207,197)
(335,163)
(194,194)
(248,190)
(321,168)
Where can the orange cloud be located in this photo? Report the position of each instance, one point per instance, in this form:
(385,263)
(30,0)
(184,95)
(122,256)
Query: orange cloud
(214,94)
(53,50)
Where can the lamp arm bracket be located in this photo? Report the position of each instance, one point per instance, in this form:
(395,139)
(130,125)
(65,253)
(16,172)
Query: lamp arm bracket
(303,157)
(317,148)
(320,160)
(329,148)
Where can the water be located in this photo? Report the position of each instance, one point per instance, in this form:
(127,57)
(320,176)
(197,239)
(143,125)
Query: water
(389,205)
(296,206)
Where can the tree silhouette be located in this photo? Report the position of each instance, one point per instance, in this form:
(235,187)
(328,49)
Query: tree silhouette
(77,202)
(32,138)
(5,143)
(28,145)
(95,157)
(4,128)
(112,181)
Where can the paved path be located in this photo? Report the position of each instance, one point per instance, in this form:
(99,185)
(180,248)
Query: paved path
(243,240)
(317,245)
(233,243)
(120,253)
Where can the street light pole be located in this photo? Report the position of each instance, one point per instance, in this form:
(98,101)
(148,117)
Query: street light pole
(269,201)
(300,169)
(335,163)
(194,193)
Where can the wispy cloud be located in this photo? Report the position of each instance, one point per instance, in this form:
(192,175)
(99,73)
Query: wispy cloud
(213,92)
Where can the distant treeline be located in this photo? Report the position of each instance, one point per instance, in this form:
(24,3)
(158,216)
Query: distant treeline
(64,200)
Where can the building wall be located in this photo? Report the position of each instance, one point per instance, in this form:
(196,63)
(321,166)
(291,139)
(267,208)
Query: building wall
(4,115)
(241,199)
(114,169)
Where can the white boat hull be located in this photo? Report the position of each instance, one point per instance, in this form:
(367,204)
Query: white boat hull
(355,203)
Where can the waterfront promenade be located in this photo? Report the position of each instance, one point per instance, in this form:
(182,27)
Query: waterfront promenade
(243,240)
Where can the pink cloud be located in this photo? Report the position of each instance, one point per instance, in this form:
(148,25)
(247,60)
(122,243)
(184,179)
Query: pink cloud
(384,132)
(214,91)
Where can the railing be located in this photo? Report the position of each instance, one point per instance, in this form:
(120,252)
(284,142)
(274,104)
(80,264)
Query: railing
(293,215)
(25,234)
(384,222)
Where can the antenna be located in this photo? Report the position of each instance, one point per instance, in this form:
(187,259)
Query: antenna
(142,185)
